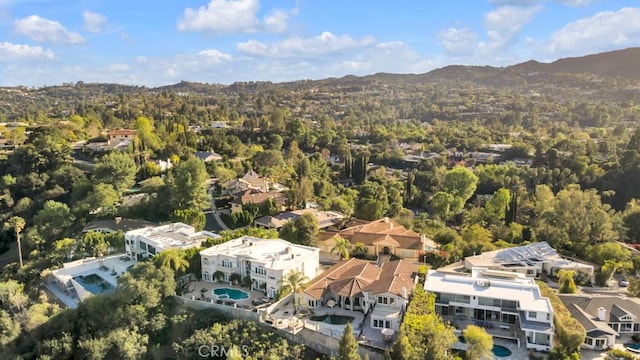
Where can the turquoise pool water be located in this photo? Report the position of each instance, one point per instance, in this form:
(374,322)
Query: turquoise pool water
(498,350)
(94,283)
(233,294)
(635,347)
(332,319)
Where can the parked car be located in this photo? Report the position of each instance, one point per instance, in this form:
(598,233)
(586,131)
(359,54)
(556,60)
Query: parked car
(623,283)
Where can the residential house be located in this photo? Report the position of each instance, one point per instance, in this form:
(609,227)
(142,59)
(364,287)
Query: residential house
(250,181)
(508,305)
(380,237)
(326,219)
(246,197)
(147,242)
(208,156)
(116,138)
(531,260)
(604,317)
(359,285)
(264,261)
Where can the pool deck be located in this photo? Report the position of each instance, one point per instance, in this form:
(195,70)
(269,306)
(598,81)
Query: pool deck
(113,267)
(516,352)
(203,291)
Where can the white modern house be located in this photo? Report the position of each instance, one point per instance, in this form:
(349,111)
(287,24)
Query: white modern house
(531,260)
(147,242)
(508,305)
(265,261)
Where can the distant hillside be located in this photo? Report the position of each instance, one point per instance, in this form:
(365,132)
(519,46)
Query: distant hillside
(620,63)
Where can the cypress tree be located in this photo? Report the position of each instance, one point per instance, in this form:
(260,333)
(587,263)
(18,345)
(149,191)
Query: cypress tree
(348,348)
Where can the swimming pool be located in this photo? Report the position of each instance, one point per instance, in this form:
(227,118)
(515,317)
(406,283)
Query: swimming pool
(94,284)
(332,319)
(498,350)
(633,347)
(228,293)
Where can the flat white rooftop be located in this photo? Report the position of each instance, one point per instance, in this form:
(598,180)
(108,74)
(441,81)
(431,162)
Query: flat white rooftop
(490,284)
(176,235)
(274,253)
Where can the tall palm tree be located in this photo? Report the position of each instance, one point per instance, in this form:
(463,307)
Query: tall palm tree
(341,248)
(295,280)
(173,259)
(17,223)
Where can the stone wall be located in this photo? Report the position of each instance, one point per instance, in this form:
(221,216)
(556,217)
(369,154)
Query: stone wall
(225,310)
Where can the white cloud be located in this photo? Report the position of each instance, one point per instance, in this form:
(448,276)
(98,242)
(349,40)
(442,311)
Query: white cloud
(322,44)
(93,21)
(603,31)
(234,16)
(215,56)
(504,25)
(459,41)
(18,51)
(514,2)
(576,3)
(44,30)
(572,3)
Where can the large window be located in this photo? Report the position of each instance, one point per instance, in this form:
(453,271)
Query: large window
(261,271)
(385,300)
(448,298)
(381,324)
(509,304)
(227,263)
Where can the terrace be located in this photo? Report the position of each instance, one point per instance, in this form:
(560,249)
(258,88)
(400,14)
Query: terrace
(62,284)
(203,291)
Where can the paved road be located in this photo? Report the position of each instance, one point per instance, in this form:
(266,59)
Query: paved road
(214,223)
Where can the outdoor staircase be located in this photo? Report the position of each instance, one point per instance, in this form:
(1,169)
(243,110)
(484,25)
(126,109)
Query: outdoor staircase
(383,258)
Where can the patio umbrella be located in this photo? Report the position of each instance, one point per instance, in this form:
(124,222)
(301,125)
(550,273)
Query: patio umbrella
(331,303)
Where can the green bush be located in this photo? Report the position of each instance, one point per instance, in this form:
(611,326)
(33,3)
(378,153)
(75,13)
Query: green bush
(620,354)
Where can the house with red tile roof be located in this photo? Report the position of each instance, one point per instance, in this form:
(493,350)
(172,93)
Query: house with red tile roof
(380,237)
(381,291)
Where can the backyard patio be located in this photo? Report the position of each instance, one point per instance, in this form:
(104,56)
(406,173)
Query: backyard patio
(204,291)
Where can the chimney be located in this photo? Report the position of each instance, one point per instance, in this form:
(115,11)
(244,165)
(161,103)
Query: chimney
(602,312)
(386,219)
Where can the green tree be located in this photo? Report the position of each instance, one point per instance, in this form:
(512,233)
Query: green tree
(460,182)
(479,343)
(174,259)
(53,220)
(116,168)
(307,229)
(567,284)
(294,280)
(147,284)
(17,224)
(64,247)
(188,185)
(102,199)
(193,217)
(341,248)
(496,208)
(348,348)
(441,203)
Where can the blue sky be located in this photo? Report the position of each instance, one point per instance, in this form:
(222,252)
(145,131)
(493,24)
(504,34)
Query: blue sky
(151,43)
